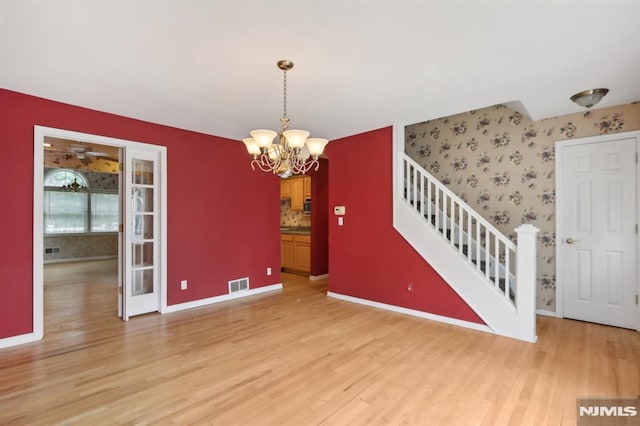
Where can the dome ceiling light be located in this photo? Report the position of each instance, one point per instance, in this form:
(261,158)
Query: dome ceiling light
(590,97)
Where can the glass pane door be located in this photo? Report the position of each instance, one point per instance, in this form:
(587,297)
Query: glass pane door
(142,292)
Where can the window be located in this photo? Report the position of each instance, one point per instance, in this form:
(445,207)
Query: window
(86,210)
(105,216)
(65,212)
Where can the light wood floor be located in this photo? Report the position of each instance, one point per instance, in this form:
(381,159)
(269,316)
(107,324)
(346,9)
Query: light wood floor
(296,357)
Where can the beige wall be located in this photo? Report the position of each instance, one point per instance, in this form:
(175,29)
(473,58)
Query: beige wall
(85,246)
(502,164)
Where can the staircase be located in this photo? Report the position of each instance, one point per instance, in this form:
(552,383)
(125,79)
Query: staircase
(496,278)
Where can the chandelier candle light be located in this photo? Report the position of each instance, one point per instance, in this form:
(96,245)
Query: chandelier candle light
(291,152)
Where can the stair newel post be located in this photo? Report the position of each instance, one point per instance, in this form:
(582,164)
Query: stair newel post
(526,259)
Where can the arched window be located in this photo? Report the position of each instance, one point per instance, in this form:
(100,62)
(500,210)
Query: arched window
(65,179)
(71,208)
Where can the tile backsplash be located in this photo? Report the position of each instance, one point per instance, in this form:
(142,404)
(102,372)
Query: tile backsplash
(290,217)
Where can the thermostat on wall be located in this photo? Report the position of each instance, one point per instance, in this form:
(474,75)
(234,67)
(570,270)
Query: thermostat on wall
(339,210)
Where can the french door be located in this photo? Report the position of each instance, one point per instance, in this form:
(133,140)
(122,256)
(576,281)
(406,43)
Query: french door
(142,242)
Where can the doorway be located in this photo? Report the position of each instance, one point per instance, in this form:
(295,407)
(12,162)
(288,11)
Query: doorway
(142,231)
(597,229)
(81,227)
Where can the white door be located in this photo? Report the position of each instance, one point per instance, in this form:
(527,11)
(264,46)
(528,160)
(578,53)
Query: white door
(142,229)
(598,223)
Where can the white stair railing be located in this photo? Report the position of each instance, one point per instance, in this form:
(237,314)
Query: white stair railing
(506,271)
(490,251)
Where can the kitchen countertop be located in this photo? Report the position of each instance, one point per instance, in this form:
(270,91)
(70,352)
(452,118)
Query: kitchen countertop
(297,230)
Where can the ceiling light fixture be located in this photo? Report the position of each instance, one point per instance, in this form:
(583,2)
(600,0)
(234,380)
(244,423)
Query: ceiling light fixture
(589,98)
(291,152)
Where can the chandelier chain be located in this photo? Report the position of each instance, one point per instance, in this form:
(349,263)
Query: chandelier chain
(284,102)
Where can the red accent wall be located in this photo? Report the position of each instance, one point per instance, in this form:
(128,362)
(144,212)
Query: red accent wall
(223,218)
(320,220)
(368,258)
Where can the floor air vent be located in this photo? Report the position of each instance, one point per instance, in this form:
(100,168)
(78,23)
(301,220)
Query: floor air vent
(240,284)
(52,250)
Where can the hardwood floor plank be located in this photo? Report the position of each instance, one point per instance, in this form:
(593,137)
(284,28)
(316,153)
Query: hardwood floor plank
(296,357)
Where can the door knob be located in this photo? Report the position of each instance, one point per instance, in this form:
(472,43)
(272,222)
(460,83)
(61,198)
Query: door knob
(570,241)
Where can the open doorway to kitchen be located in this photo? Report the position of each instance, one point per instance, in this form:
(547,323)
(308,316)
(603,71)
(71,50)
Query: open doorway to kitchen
(304,223)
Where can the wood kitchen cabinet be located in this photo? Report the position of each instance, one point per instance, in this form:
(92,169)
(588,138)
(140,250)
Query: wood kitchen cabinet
(302,253)
(287,251)
(285,189)
(306,190)
(297,194)
(297,189)
(296,253)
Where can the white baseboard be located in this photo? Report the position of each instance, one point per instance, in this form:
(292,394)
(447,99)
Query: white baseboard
(318,277)
(412,312)
(221,298)
(79,259)
(546,312)
(19,340)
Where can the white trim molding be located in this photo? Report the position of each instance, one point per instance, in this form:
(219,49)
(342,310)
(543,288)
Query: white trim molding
(546,313)
(222,298)
(20,339)
(412,312)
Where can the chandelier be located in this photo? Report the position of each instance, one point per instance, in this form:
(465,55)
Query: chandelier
(293,152)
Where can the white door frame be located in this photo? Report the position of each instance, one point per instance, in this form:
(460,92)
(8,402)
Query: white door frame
(40,132)
(559,147)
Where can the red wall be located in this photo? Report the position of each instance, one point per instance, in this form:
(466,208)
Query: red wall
(223,218)
(320,220)
(368,259)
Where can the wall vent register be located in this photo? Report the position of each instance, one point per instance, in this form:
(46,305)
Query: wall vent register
(241,284)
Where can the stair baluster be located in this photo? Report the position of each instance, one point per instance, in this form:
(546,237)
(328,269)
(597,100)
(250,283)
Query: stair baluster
(485,249)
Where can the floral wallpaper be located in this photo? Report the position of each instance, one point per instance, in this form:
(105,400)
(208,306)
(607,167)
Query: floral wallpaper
(70,161)
(96,180)
(502,164)
(290,217)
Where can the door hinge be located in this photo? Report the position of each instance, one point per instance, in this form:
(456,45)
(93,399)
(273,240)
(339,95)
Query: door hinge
(120,165)
(121,228)
(120,290)
(636,228)
(636,299)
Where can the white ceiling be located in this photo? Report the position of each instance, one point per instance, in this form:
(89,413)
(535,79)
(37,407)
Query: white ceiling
(209,65)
